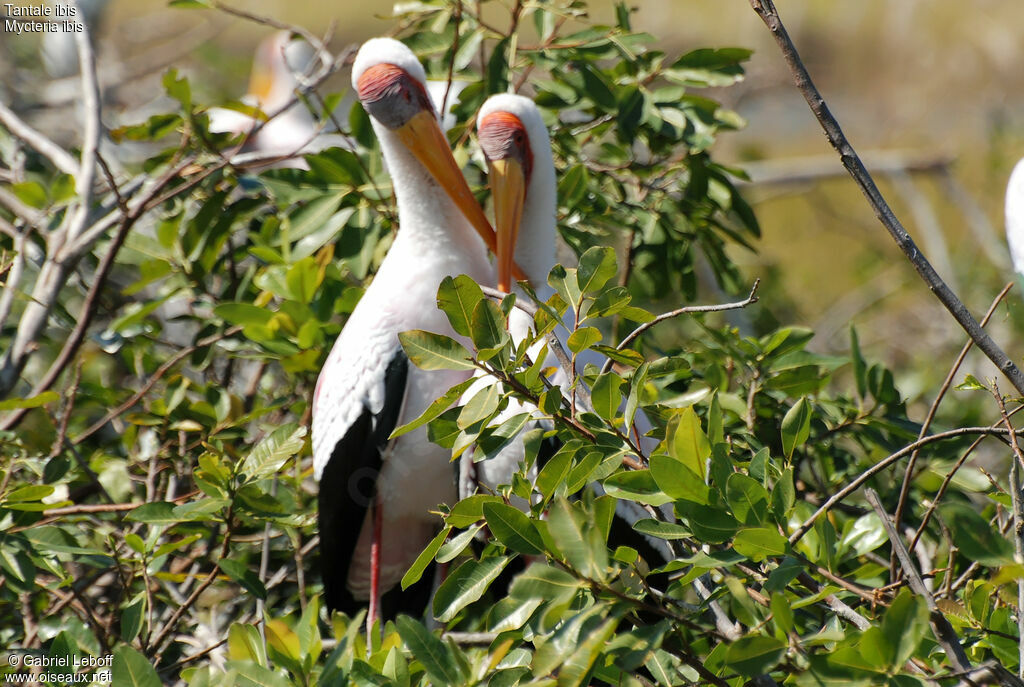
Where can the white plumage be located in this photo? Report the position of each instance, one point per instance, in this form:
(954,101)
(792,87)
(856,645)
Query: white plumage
(1015,217)
(535,253)
(434,240)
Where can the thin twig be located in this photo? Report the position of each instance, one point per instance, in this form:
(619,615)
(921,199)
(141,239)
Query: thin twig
(859,481)
(690,309)
(60,158)
(926,425)
(765,9)
(1018,521)
(944,632)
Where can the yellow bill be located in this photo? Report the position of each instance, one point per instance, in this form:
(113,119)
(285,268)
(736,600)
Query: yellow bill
(508,188)
(424,138)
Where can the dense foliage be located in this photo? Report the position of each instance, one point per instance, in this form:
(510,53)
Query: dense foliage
(159,505)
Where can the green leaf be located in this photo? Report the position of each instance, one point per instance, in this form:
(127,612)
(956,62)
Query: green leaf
(512,528)
(488,328)
(636,485)
(415,571)
(572,185)
(597,266)
(747,498)
(156,513)
(578,539)
(564,282)
(758,543)
(32,402)
(131,618)
(244,314)
(437,407)
(708,524)
(132,669)
(606,396)
(30,193)
(541,581)
(905,624)
(661,530)
(30,493)
(783,496)
(677,480)
(241,574)
(466,584)
(457,298)
(583,338)
(796,426)
(430,651)
(975,537)
(253,675)
(754,655)
(470,510)
(782,613)
(687,442)
(435,352)
(274,451)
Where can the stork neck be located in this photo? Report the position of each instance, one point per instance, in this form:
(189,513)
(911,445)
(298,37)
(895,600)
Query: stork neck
(535,249)
(429,222)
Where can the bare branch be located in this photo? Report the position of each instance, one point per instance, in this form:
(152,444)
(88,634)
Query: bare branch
(765,9)
(60,158)
(944,632)
(881,465)
(690,309)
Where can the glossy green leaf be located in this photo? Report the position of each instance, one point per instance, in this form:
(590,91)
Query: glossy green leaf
(512,528)
(435,352)
(466,584)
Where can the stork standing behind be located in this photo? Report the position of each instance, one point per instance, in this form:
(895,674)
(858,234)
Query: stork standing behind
(1015,218)
(521,174)
(375,494)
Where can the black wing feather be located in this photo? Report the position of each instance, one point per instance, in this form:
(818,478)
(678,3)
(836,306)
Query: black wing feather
(348,487)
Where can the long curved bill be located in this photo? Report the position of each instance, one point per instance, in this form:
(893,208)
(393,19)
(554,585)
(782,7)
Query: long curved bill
(424,138)
(508,188)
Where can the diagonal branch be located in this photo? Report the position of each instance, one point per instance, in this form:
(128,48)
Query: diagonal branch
(944,632)
(765,9)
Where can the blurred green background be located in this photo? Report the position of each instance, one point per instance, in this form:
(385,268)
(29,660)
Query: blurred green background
(926,83)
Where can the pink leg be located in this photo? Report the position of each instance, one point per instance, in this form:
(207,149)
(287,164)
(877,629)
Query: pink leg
(374,613)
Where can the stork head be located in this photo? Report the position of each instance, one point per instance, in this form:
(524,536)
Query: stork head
(392,87)
(278,59)
(511,134)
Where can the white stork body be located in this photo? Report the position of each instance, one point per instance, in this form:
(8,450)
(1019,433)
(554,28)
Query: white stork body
(515,142)
(1015,217)
(367,387)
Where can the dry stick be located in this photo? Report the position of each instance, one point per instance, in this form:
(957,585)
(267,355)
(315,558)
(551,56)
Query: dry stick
(944,632)
(1018,523)
(751,298)
(882,465)
(765,9)
(905,489)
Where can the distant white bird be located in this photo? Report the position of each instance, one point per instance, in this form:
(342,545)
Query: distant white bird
(1015,217)
(521,174)
(376,495)
(272,85)
(57,48)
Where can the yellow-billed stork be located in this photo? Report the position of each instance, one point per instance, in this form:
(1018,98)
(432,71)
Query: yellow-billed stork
(376,495)
(521,174)
(1015,218)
